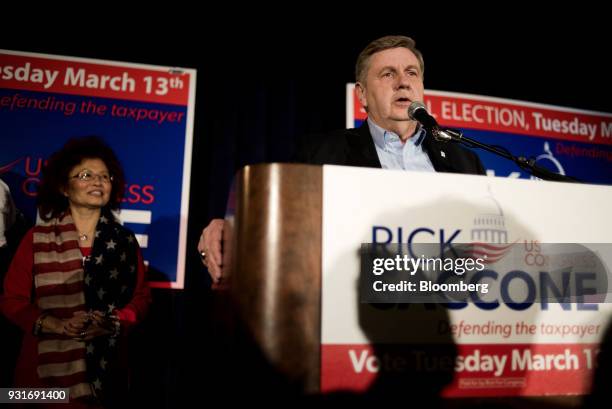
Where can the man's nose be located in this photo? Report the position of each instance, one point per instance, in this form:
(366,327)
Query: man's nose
(403,81)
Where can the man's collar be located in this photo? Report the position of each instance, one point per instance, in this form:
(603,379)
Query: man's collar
(381,136)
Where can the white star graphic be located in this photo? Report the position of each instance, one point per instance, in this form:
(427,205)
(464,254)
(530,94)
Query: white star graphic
(111,342)
(111,307)
(87,279)
(101,293)
(103,219)
(97,233)
(130,239)
(123,257)
(110,245)
(97,384)
(103,363)
(99,259)
(90,349)
(114,273)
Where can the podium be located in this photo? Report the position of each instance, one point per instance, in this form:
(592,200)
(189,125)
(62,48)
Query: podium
(290,255)
(272,254)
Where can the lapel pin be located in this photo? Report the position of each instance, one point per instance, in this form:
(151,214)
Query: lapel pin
(443,154)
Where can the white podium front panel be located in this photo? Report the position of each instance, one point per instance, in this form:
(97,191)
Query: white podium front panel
(533,347)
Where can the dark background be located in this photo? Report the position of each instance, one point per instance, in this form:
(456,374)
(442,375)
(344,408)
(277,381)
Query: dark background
(261,83)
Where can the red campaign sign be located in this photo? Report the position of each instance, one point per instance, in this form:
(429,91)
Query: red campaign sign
(523,119)
(480,369)
(81,78)
(516,118)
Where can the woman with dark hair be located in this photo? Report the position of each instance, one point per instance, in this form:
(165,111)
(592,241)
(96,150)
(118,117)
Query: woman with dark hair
(77,282)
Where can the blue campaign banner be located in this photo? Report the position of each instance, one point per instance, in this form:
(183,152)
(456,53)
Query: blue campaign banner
(564,140)
(591,163)
(145,113)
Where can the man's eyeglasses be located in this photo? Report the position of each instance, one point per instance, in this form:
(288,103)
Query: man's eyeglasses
(87,175)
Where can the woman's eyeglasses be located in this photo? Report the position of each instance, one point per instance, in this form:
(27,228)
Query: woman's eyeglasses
(87,175)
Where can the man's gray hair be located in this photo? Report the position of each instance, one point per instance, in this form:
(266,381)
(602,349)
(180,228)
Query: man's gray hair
(381,44)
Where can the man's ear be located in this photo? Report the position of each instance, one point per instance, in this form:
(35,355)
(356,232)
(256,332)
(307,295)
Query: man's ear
(361,95)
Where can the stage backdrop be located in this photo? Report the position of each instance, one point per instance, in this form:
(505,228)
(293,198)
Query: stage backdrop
(144,112)
(569,141)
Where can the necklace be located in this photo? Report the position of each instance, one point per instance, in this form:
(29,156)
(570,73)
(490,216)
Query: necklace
(83,237)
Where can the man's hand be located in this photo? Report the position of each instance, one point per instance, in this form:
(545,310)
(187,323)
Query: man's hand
(210,248)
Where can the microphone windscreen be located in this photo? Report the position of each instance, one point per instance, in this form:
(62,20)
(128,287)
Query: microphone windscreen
(414,107)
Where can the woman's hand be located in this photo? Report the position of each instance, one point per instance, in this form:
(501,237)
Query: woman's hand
(101,324)
(82,326)
(70,327)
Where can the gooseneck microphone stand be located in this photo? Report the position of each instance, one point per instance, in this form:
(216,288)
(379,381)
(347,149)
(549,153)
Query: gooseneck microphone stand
(454,135)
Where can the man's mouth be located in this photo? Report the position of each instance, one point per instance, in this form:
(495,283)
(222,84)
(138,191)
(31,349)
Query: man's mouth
(403,101)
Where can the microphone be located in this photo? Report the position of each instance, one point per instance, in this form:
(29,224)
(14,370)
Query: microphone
(418,112)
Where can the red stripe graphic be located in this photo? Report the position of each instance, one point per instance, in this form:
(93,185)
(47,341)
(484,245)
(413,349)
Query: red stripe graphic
(59,357)
(60,289)
(69,76)
(9,166)
(479,370)
(54,266)
(66,381)
(515,117)
(491,253)
(54,247)
(66,312)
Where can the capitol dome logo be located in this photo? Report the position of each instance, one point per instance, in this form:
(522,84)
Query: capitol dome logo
(548,160)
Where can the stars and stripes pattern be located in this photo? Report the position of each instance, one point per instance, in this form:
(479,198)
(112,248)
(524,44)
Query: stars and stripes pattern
(66,283)
(112,267)
(59,283)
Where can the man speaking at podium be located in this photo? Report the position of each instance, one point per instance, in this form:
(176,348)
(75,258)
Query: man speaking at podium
(389,74)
